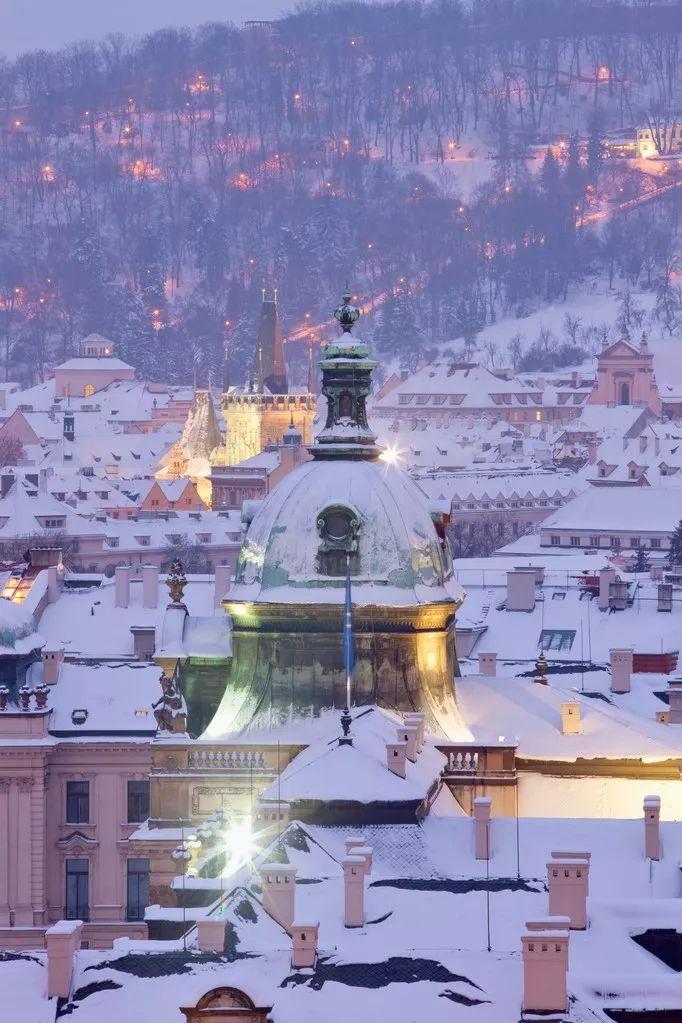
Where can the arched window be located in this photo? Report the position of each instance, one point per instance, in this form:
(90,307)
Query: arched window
(89,390)
(624,394)
(338,526)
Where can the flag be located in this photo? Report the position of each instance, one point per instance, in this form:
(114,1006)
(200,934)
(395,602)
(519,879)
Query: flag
(348,638)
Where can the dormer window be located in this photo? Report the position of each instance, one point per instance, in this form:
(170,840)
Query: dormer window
(338,526)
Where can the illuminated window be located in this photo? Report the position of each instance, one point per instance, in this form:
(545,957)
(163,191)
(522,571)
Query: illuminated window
(538,415)
(89,390)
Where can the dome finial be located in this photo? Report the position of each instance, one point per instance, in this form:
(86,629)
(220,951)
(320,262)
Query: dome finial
(346,314)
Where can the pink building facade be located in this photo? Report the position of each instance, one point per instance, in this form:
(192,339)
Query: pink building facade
(625,376)
(65,808)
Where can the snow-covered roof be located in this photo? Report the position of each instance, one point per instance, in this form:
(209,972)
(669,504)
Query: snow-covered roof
(603,509)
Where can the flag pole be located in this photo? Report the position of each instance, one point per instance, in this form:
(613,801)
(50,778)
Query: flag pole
(347,657)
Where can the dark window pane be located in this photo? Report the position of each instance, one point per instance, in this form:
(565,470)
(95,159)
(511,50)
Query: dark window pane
(138,888)
(138,801)
(77,802)
(77,890)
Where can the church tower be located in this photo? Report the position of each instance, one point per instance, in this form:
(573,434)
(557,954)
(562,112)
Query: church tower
(259,414)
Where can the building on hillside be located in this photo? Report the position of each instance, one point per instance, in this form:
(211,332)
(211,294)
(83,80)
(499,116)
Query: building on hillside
(259,414)
(603,518)
(656,140)
(255,477)
(94,369)
(625,376)
(443,389)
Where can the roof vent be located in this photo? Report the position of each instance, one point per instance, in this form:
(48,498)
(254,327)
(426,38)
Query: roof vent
(79,716)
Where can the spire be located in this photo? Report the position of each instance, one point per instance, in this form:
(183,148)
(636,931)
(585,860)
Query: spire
(270,368)
(346,382)
(226,371)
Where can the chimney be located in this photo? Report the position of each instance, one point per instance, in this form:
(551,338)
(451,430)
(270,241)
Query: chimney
(545,969)
(62,940)
(606,577)
(52,662)
(150,585)
(395,757)
(274,814)
(354,871)
(408,734)
(69,426)
(211,934)
(487,664)
(417,720)
(223,576)
(521,589)
(122,586)
(279,892)
(563,854)
(652,833)
(304,945)
(621,669)
(53,583)
(567,880)
(482,806)
(43,476)
(570,718)
(675,701)
(357,847)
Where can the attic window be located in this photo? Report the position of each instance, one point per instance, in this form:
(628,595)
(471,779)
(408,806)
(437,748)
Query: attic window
(556,639)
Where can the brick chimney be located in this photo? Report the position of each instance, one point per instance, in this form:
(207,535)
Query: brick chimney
(122,586)
(570,718)
(223,577)
(417,719)
(357,847)
(354,871)
(487,664)
(567,881)
(211,934)
(409,734)
(606,577)
(482,805)
(675,701)
(52,661)
(545,969)
(652,830)
(304,945)
(396,753)
(272,814)
(62,941)
(563,854)
(621,669)
(521,589)
(279,892)
(150,585)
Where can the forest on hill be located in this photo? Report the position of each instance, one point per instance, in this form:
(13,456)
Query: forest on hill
(150,188)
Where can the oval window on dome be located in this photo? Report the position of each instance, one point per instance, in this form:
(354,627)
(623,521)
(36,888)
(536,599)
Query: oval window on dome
(338,527)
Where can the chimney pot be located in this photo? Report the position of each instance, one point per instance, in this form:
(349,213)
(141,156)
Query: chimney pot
(304,945)
(568,881)
(487,664)
(150,585)
(652,827)
(122,586)
(396,754)
(521,589)
(570,718)
(621,669)
(482,810)
(409,734)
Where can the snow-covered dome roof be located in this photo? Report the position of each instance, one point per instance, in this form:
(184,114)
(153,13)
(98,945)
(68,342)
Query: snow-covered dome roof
(17,629)
(397,554)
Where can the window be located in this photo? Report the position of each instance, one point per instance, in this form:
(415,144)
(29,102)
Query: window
(594,541)
(635,541)
(138,888)
(77,802)
(556,639)
(555,540)
(138,801)
(89,390)
(615,541)
(404,399)
(655,543)
(575,541)
(77,890)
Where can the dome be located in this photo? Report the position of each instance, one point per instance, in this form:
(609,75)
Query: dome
(325,513)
